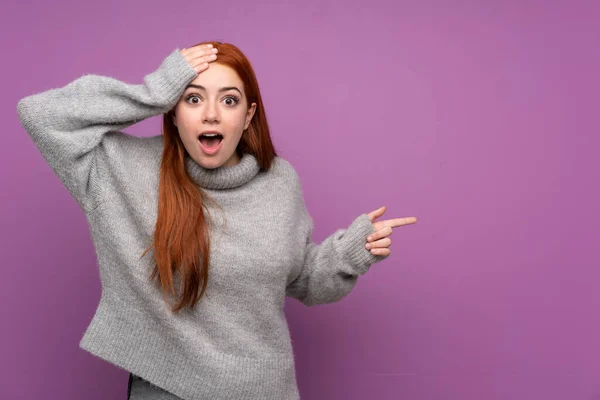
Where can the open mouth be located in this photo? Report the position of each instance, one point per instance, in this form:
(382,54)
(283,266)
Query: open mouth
(210,142)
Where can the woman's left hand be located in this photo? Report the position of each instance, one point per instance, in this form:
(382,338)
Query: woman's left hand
(379,242)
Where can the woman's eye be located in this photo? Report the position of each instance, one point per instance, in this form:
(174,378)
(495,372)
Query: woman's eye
(235,100)
(191,97)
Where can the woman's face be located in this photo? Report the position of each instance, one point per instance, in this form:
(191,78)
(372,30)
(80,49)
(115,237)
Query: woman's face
(214,102)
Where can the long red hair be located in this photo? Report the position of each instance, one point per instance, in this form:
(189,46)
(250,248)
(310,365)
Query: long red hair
(182,233)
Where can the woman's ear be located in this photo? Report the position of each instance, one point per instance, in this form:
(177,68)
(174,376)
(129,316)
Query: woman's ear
(173,118)
(249,115)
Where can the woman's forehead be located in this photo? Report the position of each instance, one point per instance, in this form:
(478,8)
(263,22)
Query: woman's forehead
(216,77)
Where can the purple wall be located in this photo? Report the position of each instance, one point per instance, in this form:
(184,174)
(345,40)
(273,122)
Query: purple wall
(480,119)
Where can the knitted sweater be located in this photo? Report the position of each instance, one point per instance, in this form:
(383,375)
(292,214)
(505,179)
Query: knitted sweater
(235,344)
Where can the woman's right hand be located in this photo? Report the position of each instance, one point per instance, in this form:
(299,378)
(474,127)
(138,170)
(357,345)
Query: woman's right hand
(199,56)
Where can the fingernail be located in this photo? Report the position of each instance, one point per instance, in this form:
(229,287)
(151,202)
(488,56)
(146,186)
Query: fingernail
(370,238)
(368,246)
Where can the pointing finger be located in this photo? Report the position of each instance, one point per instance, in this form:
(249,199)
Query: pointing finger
(399,222)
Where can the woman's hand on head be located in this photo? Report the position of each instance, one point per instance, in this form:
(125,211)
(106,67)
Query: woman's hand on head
(199,56)
(379,242)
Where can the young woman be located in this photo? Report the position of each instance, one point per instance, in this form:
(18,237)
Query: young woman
(200,232)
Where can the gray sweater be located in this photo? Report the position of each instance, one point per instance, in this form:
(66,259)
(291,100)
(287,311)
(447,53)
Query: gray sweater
(235,344)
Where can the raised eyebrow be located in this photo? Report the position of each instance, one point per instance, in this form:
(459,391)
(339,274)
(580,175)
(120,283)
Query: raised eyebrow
(223,89)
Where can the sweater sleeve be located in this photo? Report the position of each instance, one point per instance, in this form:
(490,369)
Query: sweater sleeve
(330,270)
(69,124)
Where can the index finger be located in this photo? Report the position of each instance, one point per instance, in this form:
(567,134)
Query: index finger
(399,221)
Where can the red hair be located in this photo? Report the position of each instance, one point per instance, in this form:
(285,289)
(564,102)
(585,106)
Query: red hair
(182,233)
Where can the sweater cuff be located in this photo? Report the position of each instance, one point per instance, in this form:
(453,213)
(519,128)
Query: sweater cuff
(170,79)
(353,245)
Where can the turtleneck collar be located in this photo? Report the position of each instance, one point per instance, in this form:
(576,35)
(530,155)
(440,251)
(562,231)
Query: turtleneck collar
(223,177)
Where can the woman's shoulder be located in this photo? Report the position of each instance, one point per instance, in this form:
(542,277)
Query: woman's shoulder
(284,169)
(129,156)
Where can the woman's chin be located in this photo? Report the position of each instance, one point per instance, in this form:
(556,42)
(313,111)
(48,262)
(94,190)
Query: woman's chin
(210,163)
(218,160)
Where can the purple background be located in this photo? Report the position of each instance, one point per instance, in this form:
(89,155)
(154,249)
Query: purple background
(480,118)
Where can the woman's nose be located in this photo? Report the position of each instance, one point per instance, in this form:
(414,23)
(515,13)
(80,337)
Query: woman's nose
(211,112)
